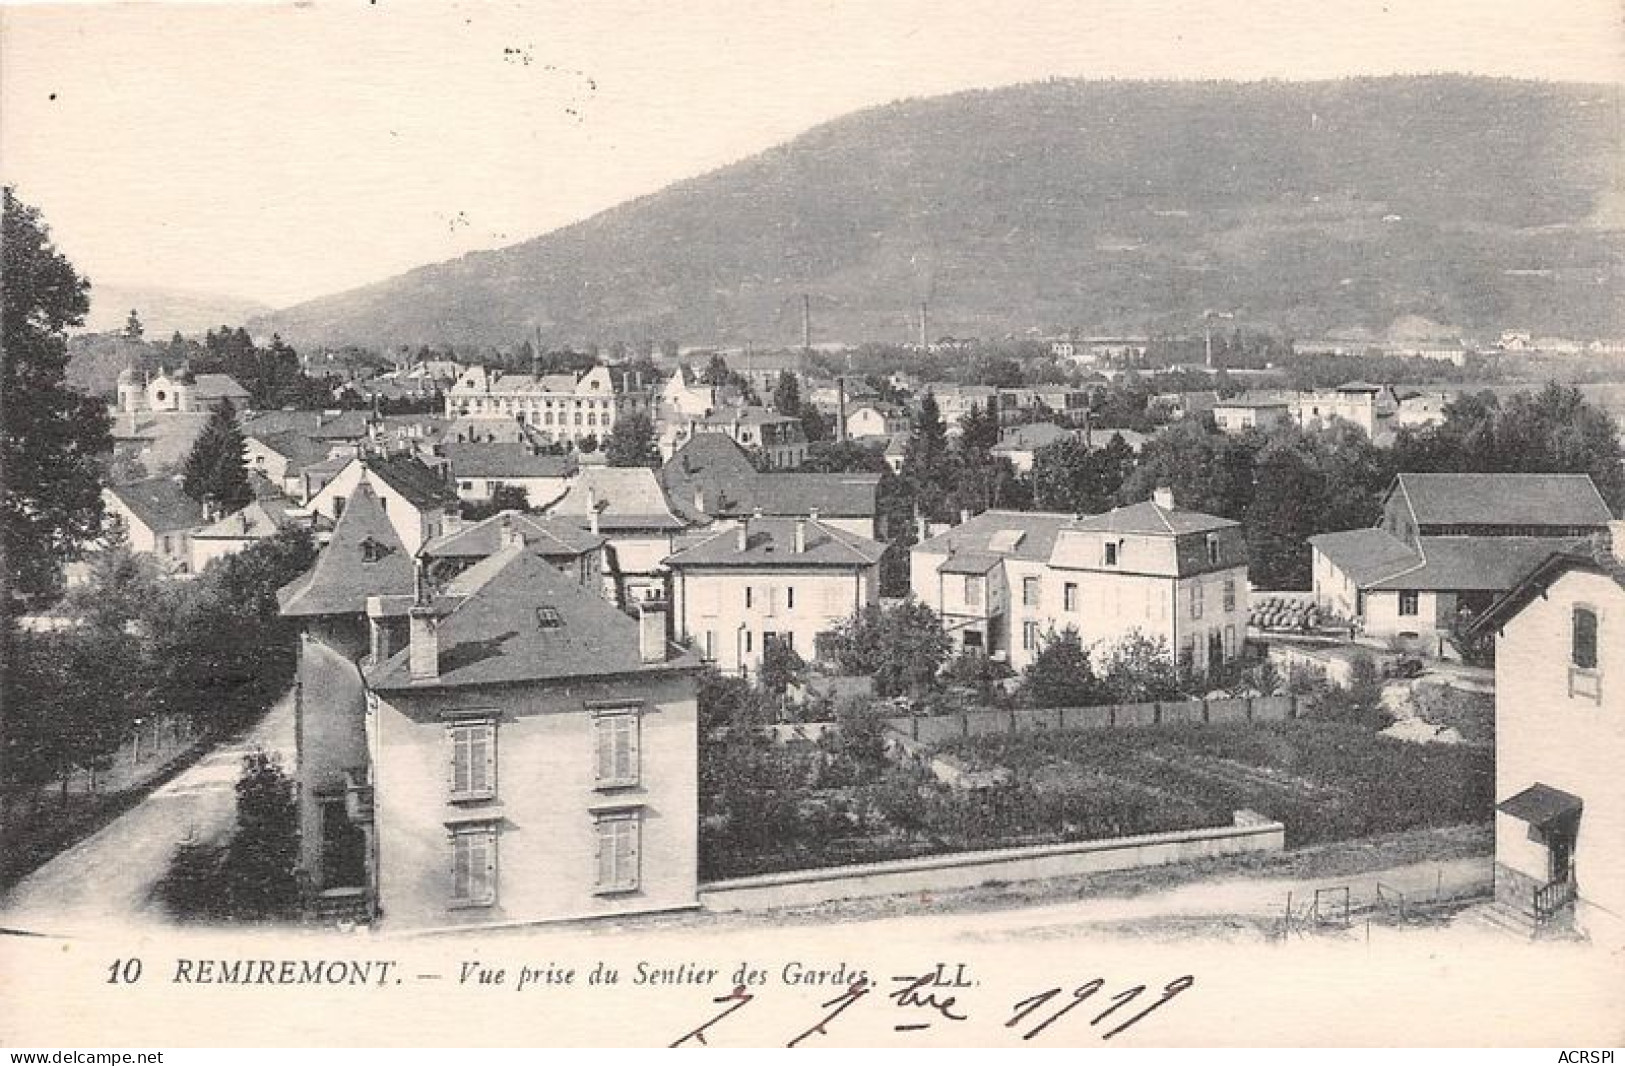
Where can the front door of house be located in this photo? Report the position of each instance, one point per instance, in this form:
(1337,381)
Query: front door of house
(1560,849)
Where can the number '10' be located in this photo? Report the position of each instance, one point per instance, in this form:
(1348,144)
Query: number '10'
(124,971)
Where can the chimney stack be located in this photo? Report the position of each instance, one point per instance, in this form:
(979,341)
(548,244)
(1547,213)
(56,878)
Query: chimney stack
(1616,536)
(742,534)
(806,322)
(652,641)
(964,515)
(1163,496)
(801,536)
(699,498)
(424,658)
(510,536)
(840,408)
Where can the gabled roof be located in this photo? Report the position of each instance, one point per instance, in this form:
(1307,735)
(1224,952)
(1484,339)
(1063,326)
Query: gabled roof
(1503,499)
(1463,564)
(746,416)
(505,461)
(494,634)
(257,521)
(1366,555)
(299,449)
(1594,555)
(832,495)
(627,497)
(218,387)
(160,503)
(365,557)
(1151,519)
(1033,435)
(422,487)
(1038,528)
(545,534)
(1258,399)
(318,425)
(771,542)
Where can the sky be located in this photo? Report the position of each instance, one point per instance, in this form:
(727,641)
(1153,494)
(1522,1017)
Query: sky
(281,152)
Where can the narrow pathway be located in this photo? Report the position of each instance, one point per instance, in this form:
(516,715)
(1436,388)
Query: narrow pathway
(108,877)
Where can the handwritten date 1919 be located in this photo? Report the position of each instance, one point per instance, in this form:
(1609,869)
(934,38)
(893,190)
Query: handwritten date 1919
(926,998)
(1038,1007)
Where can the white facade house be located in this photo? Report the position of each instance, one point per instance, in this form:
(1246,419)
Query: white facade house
(1004,581)
(158,518)
(1560,743)
(416,498)
(768,581)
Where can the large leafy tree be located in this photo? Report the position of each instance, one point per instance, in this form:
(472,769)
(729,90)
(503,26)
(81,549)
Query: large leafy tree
(216,472)
(1069,475)
(53,436)
(1061,674)
(632,442)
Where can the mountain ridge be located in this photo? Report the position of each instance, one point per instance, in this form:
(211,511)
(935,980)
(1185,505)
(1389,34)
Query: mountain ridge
(1310,206)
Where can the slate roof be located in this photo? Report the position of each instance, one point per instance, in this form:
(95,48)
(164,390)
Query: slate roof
(421,486)
(342,577)
(970,563)
(746,416)
(547,535)
(160,503)
(218,387)
(1540,805)
(505,461)
(493,634)
(1366,555)
(1152,519)
(257,521)
(1258,399)
(300,449)
(1503,499)
(714,464)
(627,497)
(771,542)
(1031,436)
(1039,529)
(1594,555)
(1464,564)
(318,425)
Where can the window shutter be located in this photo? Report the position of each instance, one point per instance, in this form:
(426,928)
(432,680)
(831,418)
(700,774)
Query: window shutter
(628,872)
(488,738)
(459,762)
(488,890)
(633,728)
(606,854)
(606,749)
(459,867)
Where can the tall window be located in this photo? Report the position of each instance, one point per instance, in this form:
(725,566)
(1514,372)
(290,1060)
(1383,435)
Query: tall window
(474,865)
(616,734)
(1069,596)
(1229,595)
(789,597)
(1111,553)
(1585,638)
(1408,602)
(1213,549)
(747,597)
(1029,636)
(1029,592)
(973,590)
(473,759)
(1196,600)
(619,836)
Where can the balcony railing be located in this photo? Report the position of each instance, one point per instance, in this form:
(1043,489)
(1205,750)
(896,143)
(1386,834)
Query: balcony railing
(1552,898)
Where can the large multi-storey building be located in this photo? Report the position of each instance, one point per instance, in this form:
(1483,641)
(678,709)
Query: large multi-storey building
(562,407)
(1004,581)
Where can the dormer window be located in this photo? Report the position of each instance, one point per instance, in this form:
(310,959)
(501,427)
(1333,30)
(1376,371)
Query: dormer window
(1213,549)
(372,551)
(548,617)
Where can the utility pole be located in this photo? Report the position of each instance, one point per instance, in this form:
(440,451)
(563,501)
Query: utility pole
(806,322)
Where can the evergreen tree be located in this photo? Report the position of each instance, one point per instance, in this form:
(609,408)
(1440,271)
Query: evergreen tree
(978,431)
(1291,494)
(53,435)
(216,473)
(787,395)
(926,462)
(132,326)
(632,442)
